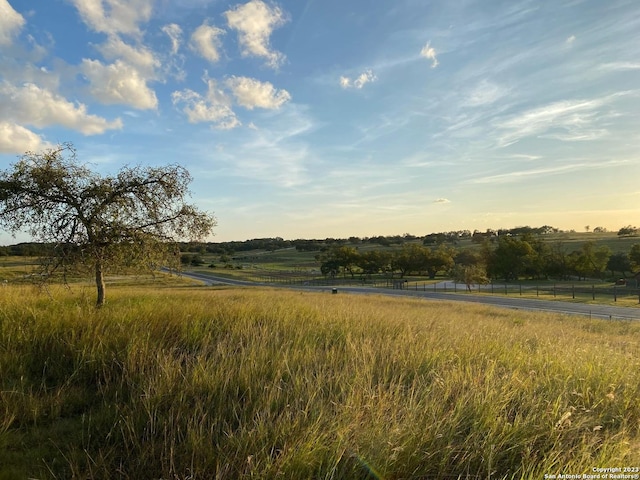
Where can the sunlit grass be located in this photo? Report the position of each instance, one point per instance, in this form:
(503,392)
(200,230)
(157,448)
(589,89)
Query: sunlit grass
(205,383)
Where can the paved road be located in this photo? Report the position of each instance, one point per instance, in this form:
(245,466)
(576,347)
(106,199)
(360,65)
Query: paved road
(213,280)
(590,310)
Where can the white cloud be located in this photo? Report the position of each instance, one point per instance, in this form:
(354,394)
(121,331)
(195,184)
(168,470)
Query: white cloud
(174,32)
(255,21)
(118,83)
(214,107)
(11,22)
(142,58)
(114,16)
(441,200)
(17,139)
(251,93)
(571,39)
(32,105)
(359,82)
(429,52)
(205,41)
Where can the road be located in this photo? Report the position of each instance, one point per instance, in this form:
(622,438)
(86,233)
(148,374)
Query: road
(585,309)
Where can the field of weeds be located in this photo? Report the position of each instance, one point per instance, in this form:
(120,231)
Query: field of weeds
(202,383)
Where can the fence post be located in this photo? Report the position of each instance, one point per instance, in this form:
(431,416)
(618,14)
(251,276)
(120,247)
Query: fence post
(573,291)
(615,294)
(537,291)
(593,292)
(521,289)
(455,289)
(506,292)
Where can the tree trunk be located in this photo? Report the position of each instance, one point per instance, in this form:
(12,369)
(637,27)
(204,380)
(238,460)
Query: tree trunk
(99,284)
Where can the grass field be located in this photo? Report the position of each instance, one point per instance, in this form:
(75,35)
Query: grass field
(178,382)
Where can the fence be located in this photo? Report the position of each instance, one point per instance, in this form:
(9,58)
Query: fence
(581,291)
(584,292)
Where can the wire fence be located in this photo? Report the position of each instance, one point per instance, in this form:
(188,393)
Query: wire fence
(583,292)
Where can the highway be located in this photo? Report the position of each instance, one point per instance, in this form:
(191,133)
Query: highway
(516,303)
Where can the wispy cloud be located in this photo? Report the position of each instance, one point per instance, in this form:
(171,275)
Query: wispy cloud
(485,93)
(620,66)
(520,175)
(430,53)
(174,32)
(275,153)
(358,82)
(575,117)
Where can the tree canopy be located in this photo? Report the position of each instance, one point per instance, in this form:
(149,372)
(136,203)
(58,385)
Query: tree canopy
(102,222)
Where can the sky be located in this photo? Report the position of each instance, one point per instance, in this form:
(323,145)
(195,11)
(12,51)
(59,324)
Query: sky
(327,118)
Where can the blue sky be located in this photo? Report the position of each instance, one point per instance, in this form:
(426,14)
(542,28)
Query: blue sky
(325,118)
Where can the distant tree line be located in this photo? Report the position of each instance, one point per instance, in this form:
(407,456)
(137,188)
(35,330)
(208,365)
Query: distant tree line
(503,254)
(30,249)
(509,258)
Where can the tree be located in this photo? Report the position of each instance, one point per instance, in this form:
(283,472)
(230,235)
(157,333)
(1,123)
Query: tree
(468,257)
(628,231)
(411,258)
(589,260)
(557,263)
(634,256)
(374,261)
(347,258)
(619,262)
(511,258)
(539,264)
(339,258)
(438,260)
(100,222)
(469,275)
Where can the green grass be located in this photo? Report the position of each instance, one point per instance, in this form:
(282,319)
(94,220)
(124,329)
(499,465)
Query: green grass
(200,383)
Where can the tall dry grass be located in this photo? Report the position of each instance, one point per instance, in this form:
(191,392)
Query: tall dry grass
(184,383)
